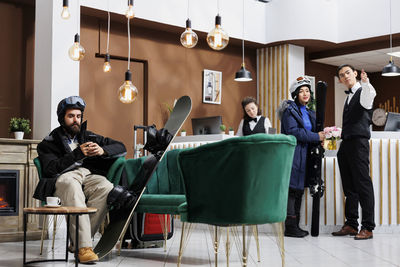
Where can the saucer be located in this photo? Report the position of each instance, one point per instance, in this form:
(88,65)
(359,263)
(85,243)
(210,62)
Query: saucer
(52,206)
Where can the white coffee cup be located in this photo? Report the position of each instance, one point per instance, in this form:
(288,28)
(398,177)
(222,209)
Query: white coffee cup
(53,201)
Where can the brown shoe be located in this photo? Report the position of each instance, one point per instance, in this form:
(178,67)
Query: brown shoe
(364,234)
(87,255)
(346,230)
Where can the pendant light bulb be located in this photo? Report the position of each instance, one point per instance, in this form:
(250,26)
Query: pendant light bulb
(217,38)
(107,65)
(129,12)
(127,93)
(188,37)
(76,51)
(65,12)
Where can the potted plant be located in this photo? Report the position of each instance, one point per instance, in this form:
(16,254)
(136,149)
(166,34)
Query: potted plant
(19,126)
(183,132)
(223,128)
(231,132)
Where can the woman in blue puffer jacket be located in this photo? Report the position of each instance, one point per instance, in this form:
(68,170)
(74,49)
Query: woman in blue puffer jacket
(299,121)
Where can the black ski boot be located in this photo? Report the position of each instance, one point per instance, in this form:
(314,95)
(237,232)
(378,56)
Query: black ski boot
(120,198)
(297,206)
(291,228)
(157,140)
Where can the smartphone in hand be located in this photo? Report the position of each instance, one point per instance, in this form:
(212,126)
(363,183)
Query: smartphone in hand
(91,138)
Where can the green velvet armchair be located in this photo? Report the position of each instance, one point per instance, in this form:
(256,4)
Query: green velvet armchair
(238,181)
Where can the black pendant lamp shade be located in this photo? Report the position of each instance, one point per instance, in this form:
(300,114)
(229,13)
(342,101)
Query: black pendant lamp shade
(243,75)
(391,70)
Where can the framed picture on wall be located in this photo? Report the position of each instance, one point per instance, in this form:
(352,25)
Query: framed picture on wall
(212,81)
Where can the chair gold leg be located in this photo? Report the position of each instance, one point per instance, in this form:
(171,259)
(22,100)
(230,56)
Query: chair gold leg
(216,245)
(165,232)
(181,245)
(282,243)
(255,232)
(227,247)
(54,231)
(43,233)
(244,246)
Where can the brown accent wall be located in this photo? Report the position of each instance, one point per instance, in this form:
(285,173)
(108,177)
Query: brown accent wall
(324,72)
(173,71)
(386,88)
(16,68)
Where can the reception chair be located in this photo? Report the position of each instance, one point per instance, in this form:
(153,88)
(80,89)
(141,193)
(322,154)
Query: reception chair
(236,182)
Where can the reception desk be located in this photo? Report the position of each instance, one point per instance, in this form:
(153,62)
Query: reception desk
(385,175)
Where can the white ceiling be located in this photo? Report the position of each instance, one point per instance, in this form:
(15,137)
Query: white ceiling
(370,61)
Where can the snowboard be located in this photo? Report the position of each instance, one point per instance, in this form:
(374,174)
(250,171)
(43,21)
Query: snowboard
(316,155)
(117,228)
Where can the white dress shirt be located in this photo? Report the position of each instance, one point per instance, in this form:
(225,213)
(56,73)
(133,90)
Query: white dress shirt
(367,96)
(252,124)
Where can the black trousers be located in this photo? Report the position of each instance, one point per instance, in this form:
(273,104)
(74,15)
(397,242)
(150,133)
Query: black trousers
(353,159)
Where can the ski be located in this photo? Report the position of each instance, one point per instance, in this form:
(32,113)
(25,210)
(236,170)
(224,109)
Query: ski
(317,153)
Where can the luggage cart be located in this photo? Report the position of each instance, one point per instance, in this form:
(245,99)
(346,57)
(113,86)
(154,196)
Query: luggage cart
(138,150)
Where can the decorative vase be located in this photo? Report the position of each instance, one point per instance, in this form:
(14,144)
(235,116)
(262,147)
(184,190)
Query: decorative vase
(19,135)
(183,133)
(330,144)
(231,133)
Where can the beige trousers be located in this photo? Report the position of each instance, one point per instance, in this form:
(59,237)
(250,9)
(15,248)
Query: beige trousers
(80,188)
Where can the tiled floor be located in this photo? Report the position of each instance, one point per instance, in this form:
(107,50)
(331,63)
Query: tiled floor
(325,250)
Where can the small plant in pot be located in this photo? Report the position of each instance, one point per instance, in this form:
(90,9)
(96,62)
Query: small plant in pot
(222,128)
(183,132)
(19,126)
(231,132)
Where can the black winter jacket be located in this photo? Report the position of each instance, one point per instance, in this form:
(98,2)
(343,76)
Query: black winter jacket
(57,158)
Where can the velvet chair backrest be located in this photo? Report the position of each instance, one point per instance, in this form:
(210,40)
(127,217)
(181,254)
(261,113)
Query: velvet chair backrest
(241,180)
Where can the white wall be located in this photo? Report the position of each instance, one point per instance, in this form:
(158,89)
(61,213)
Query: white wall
(201,12)
(55,76)
(330,20)
(296,64)
(340,97)
(306,19)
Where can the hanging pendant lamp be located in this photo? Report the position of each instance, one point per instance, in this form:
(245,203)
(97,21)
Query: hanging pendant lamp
(390,69)
(127,92)
(243,75)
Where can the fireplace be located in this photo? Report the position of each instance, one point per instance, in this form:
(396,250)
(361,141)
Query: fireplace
(9,195)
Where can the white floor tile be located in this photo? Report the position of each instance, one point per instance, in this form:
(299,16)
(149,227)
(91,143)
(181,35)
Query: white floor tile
(325,250)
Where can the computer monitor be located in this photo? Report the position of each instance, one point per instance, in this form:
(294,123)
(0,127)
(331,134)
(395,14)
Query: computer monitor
(392,122)
(207,125)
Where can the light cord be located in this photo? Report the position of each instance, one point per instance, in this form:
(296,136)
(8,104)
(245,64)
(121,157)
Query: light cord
(78,18)
(108,28)
(243,35)
(390,24)
(188,8)
(129,45)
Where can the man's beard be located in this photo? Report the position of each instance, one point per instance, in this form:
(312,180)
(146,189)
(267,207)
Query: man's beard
(72,129)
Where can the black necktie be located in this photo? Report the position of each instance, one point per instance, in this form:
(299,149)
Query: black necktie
(348,91)
(253,119)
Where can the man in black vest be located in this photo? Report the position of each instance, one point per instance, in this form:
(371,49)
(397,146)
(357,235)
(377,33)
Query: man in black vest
(353,155)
